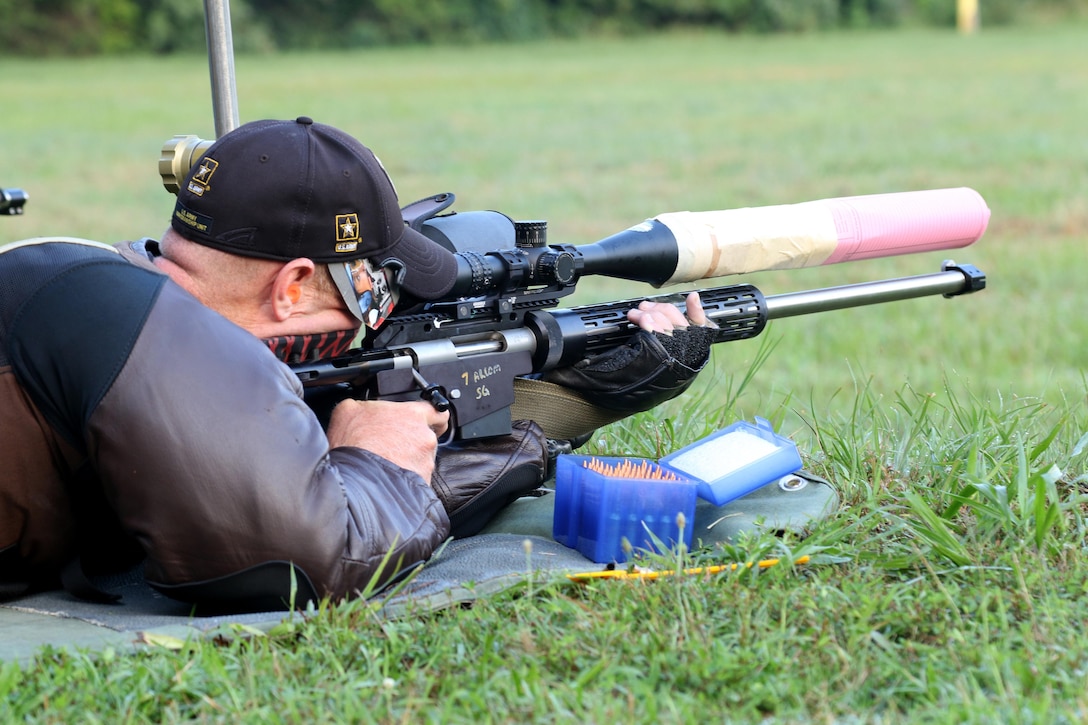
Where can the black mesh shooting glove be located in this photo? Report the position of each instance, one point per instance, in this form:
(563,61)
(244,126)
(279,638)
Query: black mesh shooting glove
(647,371)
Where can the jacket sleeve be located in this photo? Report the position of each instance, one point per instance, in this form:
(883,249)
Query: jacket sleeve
(212,460)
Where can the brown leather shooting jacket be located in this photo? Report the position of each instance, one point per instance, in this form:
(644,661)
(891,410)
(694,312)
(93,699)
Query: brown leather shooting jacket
(134,420)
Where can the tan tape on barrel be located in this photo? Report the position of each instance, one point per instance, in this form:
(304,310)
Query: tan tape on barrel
(752,239)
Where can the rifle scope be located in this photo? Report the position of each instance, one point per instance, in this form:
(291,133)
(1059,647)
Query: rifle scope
(646,257)
(690,246)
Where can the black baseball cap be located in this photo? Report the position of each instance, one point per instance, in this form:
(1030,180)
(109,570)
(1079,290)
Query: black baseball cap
(288,189)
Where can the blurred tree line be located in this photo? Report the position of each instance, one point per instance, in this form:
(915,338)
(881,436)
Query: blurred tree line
(84,27)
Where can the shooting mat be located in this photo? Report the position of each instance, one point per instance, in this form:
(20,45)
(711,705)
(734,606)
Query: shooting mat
(462,571)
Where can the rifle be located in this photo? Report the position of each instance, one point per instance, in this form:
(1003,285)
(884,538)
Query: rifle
(501,322)
(12,201)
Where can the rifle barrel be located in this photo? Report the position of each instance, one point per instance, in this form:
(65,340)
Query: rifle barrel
(954,280)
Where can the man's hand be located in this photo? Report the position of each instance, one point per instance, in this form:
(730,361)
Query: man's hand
(664,317)
(404,433)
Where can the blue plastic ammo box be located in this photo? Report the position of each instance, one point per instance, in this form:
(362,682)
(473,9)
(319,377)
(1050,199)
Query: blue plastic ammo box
(594,513)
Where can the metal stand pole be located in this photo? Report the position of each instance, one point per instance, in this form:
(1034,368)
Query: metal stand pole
(221,65)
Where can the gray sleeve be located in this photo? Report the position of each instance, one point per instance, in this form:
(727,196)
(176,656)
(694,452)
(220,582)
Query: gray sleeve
(213,461)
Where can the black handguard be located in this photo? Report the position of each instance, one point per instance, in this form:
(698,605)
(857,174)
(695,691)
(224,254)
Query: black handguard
(642,373)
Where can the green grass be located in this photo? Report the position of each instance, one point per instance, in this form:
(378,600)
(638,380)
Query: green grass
(949,587)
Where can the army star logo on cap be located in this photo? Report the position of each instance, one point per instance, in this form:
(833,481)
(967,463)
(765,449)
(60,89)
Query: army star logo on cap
(347,232)
(200,181)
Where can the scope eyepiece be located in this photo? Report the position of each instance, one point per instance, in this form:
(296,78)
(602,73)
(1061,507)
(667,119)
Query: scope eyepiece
(177,157)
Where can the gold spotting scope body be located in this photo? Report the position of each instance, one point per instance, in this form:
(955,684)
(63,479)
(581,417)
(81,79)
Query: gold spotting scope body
(177,157)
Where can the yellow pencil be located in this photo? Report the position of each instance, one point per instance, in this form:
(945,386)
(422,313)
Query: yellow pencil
(624,574)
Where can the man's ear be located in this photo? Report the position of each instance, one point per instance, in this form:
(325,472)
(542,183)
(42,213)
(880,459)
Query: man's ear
(287,286)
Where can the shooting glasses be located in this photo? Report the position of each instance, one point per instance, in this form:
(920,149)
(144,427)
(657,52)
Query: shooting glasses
(370,291)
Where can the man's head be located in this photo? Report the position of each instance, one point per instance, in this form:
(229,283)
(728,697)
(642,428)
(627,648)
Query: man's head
(290,190)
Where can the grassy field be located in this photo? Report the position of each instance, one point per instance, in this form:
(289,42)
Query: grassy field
(949,588)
